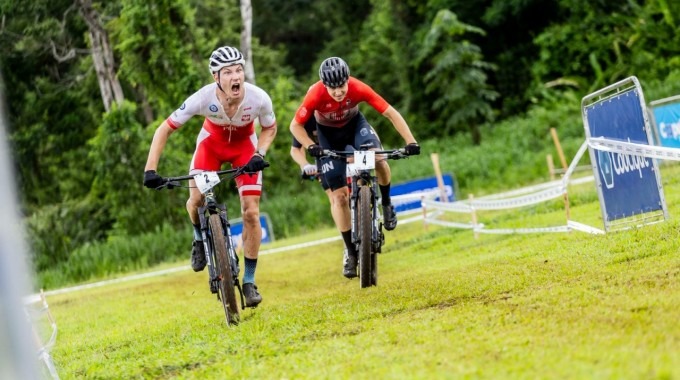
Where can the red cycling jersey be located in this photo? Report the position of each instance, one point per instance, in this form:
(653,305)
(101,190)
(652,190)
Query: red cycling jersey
(336,114)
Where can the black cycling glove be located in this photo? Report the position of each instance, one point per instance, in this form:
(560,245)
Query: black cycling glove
(152,180)
(412,149)
(315,150)
(256,164)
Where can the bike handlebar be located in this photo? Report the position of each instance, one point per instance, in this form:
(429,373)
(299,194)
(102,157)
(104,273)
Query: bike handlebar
(394,154)
(172,182)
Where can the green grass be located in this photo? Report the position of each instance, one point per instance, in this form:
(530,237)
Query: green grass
(447,305)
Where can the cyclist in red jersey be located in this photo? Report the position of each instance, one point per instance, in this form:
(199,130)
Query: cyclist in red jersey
(230,107)
(334,103)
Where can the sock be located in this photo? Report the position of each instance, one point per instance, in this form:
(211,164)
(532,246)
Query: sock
(347,237)
(197,232)
(249,273)
(385,194)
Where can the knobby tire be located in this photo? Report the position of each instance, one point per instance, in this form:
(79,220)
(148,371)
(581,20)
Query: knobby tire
(365,218)
(226,284)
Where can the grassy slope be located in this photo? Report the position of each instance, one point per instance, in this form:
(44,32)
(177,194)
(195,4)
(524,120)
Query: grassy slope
(447,306)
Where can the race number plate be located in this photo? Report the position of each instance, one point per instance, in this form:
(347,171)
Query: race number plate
(351,170)
(206,181)
(364,159)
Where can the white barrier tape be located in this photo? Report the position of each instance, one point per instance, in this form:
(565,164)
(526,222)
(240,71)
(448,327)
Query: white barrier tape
(444,223)
(405,198)
(572,167)
(523,190)
(459,206)
(499,204)
(634,149)
(523,230)
(522,201)
(571,225)
(579,181)
(584,228)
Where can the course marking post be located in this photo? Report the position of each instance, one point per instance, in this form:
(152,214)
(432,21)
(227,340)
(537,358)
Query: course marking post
(473,215)
(438,173)
(558,146)
(551,166)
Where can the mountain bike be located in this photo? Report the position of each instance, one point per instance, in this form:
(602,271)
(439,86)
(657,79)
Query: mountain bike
(220,253)
(366,218)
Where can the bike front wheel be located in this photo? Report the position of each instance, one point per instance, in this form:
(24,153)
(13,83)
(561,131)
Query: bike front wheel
(365,218)
(226,278)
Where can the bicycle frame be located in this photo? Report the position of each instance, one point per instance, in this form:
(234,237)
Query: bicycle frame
(220,255)
(368,179)
(211,207)
(364,200)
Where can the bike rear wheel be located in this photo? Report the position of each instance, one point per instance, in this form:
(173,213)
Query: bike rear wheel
(365,218)
(226,278)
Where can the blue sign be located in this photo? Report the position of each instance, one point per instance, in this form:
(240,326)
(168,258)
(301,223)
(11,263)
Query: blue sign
(629,183)
(667,120)
(237,230)
(418,186)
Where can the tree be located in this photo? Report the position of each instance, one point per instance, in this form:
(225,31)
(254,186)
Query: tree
(456,78)
(102,56)
(246,34)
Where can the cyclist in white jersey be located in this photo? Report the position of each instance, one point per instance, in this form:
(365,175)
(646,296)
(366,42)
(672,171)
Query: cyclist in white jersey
(230,107)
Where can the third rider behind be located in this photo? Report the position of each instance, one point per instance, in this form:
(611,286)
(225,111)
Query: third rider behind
(334,101)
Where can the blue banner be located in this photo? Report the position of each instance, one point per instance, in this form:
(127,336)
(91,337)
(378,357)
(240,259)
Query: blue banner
(629,184)
(420,186)
(667,122)
(237,230)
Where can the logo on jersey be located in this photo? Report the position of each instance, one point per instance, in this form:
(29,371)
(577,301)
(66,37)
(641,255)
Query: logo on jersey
(245,117)
(183,106)
(247,108)
(303,111)
(213,108)
(363,132)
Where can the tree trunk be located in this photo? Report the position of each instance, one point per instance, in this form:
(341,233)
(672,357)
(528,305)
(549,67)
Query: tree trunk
(246,34)
(102,56)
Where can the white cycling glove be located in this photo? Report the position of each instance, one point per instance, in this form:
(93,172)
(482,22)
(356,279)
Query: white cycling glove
(309,169)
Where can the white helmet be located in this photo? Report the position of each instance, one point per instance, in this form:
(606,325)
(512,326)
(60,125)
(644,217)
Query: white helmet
(225,56)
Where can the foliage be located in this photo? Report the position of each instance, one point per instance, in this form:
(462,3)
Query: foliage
(464,100)
(459,71)
(54,232)
(118,151)
(48,97)
(602,42)
(117,254)
(160,48)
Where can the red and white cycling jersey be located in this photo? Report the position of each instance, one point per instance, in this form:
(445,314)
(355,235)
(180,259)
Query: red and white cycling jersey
(256,104)
(224,139)
(336,114)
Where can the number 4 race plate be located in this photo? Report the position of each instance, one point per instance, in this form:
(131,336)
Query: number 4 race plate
(364,159)
(206,181)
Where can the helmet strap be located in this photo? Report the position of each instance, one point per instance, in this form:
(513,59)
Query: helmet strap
(218,82)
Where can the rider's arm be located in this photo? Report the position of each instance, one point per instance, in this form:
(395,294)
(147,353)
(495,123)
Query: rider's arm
(298,131)
(299,156)
(266,138)
(399,124)
(160,137)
